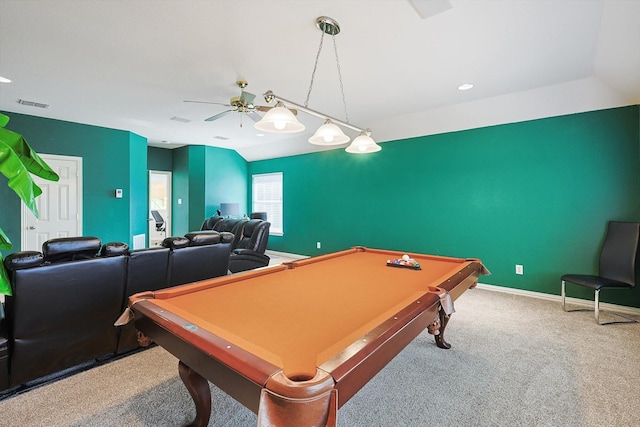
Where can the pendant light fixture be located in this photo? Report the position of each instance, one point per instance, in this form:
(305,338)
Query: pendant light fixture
(330,133)
(279,119)
(363,144)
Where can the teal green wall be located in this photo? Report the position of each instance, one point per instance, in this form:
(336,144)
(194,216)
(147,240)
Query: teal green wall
(203,177)
(159,159)
(139,185)
(197,184)
(109,157)
(226,177)
(536,193)
(180,191)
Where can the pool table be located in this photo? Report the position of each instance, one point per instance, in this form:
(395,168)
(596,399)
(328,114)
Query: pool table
(294,342)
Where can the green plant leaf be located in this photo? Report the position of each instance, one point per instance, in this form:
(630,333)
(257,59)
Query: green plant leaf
(5,285)
(5,243)
(19,178)
(27,155)
(17,162)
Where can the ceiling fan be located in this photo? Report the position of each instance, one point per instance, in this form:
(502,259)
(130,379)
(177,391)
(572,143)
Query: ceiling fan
(239,104)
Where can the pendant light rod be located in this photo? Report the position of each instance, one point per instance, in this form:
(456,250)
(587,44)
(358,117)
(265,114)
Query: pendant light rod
(269,96)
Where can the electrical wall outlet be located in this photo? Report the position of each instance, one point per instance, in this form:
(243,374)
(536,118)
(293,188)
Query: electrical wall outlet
(519,269)
(318,245)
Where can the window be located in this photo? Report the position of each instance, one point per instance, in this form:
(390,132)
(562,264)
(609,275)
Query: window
(267,197)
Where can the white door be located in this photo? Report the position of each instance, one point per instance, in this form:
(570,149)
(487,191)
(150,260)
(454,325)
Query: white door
(59,205)
(159,206)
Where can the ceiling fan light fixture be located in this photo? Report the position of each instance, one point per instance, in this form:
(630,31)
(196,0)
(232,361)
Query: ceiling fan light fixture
(363,144)
(329,134)
(279,119)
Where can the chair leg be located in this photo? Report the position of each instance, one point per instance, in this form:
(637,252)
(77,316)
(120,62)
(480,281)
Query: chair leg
(596,300)
(596,307)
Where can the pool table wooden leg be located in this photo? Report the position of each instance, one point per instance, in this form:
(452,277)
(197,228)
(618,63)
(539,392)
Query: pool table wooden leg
(444,319)
(198,388)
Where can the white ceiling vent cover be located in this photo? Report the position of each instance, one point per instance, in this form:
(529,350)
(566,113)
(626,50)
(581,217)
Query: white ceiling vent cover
(32,104)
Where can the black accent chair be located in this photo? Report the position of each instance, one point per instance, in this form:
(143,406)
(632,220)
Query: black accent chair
(617,266)
(250,247)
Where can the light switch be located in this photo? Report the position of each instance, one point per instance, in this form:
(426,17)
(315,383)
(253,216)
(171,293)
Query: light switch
(118,193)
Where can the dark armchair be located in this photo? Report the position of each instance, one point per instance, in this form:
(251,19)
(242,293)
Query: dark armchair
(617,266)
(249,252)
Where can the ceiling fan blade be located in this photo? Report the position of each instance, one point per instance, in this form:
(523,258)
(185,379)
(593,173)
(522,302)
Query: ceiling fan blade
(217,116)
(246,97)
(207,102)
(254,116)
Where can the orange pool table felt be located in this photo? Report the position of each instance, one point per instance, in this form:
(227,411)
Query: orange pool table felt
(295,342)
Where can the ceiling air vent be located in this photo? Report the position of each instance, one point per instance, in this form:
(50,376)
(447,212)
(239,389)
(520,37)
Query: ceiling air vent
(32,104)
(180,119)
(222,138)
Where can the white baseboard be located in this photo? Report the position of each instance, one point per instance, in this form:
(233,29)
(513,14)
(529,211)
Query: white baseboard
(285,255)
(632,311)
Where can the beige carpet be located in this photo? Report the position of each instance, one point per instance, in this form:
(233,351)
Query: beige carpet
(515,361)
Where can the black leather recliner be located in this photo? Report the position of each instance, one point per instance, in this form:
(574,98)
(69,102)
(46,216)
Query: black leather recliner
(210,245)
(234,226)
(64,303)
(249,251)
(250,239)
(209,223)
(67,297)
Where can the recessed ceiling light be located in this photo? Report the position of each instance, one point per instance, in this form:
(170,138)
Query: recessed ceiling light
(4,80)
(465,86)
(259,134)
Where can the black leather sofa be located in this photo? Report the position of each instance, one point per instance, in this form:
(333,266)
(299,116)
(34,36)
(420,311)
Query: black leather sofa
(249,244)
(67,297)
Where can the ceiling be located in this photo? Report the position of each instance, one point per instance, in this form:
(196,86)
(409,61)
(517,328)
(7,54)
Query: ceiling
(130,64)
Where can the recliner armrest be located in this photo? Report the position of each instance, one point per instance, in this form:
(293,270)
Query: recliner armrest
(246,259)
(249,253)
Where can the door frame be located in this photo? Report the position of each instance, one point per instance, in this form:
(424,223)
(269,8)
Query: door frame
(169,214)
(24,211)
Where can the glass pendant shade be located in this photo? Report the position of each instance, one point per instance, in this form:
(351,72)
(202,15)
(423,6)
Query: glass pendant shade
(279,120)
(329,134)
(363,144)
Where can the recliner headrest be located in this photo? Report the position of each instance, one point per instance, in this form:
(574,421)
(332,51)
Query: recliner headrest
(24,259)
(114,249)
(70,248)
(175,242)
(226,237)
(251,225)
(200,238)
